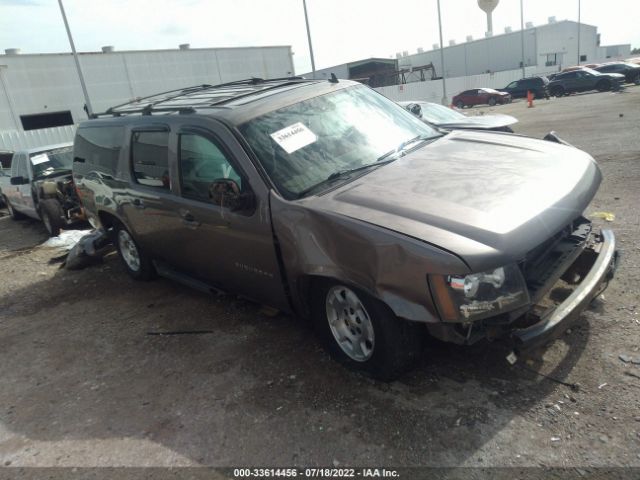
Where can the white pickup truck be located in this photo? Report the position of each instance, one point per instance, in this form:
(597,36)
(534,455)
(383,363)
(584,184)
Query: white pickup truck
(41,187)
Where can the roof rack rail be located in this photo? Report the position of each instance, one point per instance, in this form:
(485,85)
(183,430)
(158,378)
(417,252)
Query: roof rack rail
(187,100)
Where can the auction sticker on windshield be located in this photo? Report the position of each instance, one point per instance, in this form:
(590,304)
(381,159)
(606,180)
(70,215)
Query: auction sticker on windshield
(294,137)
(38,159)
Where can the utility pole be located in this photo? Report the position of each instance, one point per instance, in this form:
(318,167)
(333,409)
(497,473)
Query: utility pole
(306,19)
(522,37)
(579,32)
(444,82)
(75,57)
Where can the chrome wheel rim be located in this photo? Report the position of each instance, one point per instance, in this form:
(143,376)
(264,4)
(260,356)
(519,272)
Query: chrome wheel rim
(350,323)
(129,250)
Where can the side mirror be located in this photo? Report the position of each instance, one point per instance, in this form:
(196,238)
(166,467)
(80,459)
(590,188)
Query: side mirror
(226,193)
(18,181)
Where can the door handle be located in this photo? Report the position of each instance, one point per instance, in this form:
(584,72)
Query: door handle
(137,203)
(188,219)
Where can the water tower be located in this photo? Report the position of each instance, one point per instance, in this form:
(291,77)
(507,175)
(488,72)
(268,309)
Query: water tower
(488,6)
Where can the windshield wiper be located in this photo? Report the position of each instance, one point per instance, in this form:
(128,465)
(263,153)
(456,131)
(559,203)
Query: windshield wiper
(341,174)
(347,171)
(400,148)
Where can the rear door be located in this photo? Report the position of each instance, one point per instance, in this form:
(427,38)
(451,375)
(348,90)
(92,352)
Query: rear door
(482,97)
(571,81)
(147,204)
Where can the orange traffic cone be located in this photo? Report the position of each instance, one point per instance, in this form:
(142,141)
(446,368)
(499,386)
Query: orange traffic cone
(530,98)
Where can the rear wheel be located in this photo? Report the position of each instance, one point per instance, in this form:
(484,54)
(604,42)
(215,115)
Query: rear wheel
(136,262)
(14,214)
(492,101)
(362,333)
(51,214)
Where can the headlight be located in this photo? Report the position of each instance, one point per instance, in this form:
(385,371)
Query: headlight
(475,296)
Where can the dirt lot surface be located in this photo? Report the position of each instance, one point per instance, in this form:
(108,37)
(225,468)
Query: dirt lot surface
(84,383)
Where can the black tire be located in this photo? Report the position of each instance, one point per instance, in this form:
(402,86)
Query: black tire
(637,80)
(52,216)
(558,91)
(492,102)
(603,85)
(460,104)
(14,214)
(396,343)
(126,247)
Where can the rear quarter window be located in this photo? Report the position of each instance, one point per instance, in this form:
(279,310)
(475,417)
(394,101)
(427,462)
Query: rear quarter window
(98,149)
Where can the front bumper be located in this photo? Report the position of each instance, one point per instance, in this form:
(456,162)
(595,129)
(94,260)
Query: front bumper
(556,321)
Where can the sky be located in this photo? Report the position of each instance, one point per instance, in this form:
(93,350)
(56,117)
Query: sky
(342,30)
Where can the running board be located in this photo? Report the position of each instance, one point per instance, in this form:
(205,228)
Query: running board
(164,270)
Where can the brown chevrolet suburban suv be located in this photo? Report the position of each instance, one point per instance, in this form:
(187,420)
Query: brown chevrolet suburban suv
(327,200)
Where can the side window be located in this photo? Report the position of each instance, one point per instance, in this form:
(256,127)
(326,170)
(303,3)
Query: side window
(512,85)
(202,162)
(97,148)
(150,159)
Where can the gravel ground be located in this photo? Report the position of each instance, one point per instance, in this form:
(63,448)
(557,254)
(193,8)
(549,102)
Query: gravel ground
(83,383)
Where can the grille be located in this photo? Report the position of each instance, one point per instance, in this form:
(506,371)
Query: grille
(545,264)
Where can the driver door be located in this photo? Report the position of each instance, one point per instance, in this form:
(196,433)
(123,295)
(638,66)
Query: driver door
(229,247)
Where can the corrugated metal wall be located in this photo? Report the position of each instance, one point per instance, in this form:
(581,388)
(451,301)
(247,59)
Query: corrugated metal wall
(16,140)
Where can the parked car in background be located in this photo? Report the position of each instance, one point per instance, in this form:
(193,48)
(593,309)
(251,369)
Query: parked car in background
(449,119)
(584,80)
(481,96)
(535,85)
(41,187)
(5,172)
(328,200)
(631,71)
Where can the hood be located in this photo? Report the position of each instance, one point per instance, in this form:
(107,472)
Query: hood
(481,122)
(487,197)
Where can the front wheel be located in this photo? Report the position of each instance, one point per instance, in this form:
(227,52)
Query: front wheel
(492,101)
(51,214)
(603,86)
(637,80)
(362,333)
(558,92)
(138,265)
(460,105)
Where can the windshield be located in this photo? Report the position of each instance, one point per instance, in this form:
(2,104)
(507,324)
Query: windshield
(302,145)
(434,113)
(52,161)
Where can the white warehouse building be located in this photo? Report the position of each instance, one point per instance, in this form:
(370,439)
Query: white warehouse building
(554,44)
(548,47)
(43,90)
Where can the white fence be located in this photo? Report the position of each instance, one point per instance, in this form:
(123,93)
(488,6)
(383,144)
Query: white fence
(432,90)
(16,140)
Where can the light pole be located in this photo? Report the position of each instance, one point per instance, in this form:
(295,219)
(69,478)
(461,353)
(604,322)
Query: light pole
(444,82)
(306,19)
(522,37)
(75,57)
(579,32)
